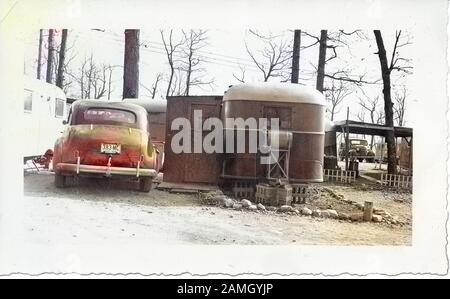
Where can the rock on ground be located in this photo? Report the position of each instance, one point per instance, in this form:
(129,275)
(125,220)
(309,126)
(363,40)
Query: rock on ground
(246,203)
(253,208)
(356,217)
(286,208)
(332,214)
(378,211)
(305,211)
(325,214)
(377,218)
(261,207)
(227,202)
(237,206)
(343,216)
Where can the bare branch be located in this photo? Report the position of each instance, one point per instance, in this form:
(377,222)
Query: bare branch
(336,95)
(170,48)
(274,57)
(241,78)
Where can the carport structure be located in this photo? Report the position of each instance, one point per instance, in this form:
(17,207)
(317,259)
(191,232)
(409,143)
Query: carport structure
(348,127)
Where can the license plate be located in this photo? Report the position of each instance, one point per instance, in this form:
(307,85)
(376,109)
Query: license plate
(110,148)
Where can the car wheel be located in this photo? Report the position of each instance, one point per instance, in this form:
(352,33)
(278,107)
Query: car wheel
(360,160)
(60,181)
(145,184)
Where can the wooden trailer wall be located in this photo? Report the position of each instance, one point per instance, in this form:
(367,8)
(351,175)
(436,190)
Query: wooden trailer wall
(192,168)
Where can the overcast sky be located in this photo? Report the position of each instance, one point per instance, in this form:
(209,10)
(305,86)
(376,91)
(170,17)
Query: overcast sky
(226,54)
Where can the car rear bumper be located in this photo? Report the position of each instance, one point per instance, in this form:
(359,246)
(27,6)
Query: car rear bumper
(65,168)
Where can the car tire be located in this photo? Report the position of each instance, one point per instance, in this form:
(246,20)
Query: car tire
(145,184)
(360,160)
(60,181)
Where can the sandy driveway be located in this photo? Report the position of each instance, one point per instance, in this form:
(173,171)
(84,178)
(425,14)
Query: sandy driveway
(95,211)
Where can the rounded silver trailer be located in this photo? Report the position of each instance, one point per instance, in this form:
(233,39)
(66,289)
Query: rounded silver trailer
(301,114)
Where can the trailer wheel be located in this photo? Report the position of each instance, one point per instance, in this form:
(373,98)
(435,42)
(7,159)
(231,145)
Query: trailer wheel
(60,181)
(145,184)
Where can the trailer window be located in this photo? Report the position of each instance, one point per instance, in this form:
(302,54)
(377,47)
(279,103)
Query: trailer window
(28,101)
(59,108)
(284,114)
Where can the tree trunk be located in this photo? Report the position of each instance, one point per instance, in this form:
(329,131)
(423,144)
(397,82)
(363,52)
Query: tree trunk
(109,83)
(48,77)
(372,118)
(89,77)
(169,85)
(131,64)
(39,62)
(296,56)
(322,59)
(388,105)
(155,86)
(188,74)
(62,56)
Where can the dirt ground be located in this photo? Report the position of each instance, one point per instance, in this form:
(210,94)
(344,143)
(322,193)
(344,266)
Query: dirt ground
(95,210)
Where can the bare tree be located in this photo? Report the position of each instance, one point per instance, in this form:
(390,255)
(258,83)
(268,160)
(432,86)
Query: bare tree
(99,81)
(110,88)
(177,87)
(69,56)
(131,64)
(396,63)
(241,76)
(296,56)
(94,80)
(400,106)
(380,116)
(333,41)
(336,95)
(370,105)
(39,61)
(50,62)
(62,56)
(153,90)
(159,77)
(89,75)
(322,60)
(171,48)
(361,115)
(274,57)
(194,41)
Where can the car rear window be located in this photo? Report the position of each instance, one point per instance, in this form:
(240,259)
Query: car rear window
(107,116)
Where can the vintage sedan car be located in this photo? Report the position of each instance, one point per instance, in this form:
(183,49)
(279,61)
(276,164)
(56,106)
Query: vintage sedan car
(106,139)
(358,149)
